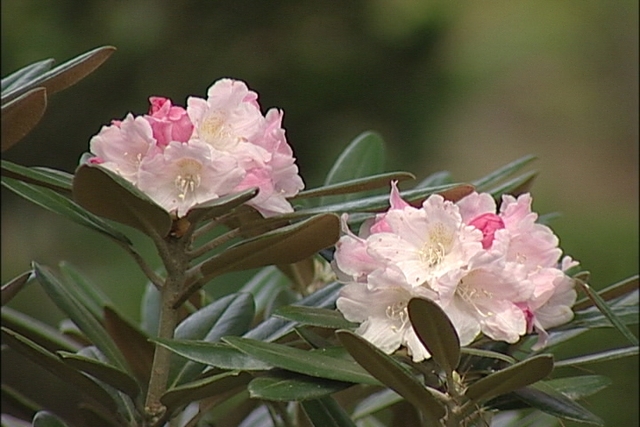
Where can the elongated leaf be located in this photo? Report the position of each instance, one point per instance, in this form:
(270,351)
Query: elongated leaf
(15,285)
(436,332)
(79,314)
(25,75)
(303,362)
(230,315)
(606,310)
(591,318)
(221,205)
(375,403)
(106,373)
(315,316)
(437,178)
(218,355)
(325,412)
(579,387)
(391,373)
(516,186)
(104,193)
(54,202)
(355,185)
(87,293)
(264,285)
(488,354)
(288,386)
(14,402)
(484,183)
(53,364)
(616,290)
(206,387)
(545,398)
(511,378)
(134,344)
(21,115)
(150,310)
(599,357)
(64,75)
(37,331)
(45,177)
(47,419)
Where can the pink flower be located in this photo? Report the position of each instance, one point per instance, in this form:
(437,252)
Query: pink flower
(168,122)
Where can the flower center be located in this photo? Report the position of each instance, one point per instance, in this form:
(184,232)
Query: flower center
(436,247)
(469,294)
(216,133)
(397,312)
(189,177)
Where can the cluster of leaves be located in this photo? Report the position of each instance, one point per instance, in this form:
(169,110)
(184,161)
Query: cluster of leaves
(276,352)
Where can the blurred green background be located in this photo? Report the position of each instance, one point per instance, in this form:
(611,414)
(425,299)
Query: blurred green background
(460,86)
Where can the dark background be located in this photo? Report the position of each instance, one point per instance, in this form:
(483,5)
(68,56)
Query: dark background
(460,86)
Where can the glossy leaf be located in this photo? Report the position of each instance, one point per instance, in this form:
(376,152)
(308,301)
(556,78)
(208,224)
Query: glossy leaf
(357,185)
(391,373)
(511,378)
(489,180)
(37,331)
(304,362)
(47,419)
(106,373)
(436,332)
(591,318)
(264,285)
(15,285)
(603,356)
(222,205)
(21,115)
(616,290)
(376,402)
(64,75)
(79,314)
(325,412)
(87,293)
(106,194)
(206,387)
(435,179)
(606,310)
(487,354)
(218,355)
(45,177)
(288,386)
(516,186)
(134,344)
(314,316)
(54,202)
(25,74)
(579,387)
(150,310)
(54,365)
(15,402)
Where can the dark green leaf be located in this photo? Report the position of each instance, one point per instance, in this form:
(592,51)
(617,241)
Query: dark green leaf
(325,412)
(606,310)
(206,387)
(301,361)
(264,285)
(106,194)
(438,178)
(215,354)
(579,387)
(21,115)
(516,186)
(436,332)
(222,205)
(616,290)
(87,293)
(15,402)
(66,74)
(45,177)
(315,316)
(150,310)
(36,331)
(375,403)
(53,364)
(54,202)
(592,318)
(488,354)
(599,357)
(25,75)
(289,386)
(47,419)
(484,183)
(106,373)
(15,285)
(355,185)
(391,373)
(511,378)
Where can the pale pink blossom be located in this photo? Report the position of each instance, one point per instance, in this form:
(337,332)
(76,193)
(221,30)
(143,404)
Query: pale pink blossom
(168,122)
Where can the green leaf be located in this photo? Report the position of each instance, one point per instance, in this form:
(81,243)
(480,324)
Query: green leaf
(616,290)
(79,314)
(436,332)
(54,202)
(304,362)
(203,388)
(606,310)
(545,398)
(357,185)
(218,355)
(391,373)
(375,403)
(604,356)
(437,178)
(516,186)
(47,419)
(21,115)
(150,310)
(45,177)
(102,371)
(87,293)
(314,316)
(36,331)
(230,315)
(581,386)
(288,386)
(64,75)
(15,285)
(483,184)
(54,365)
(25,75)
(221,205)
(487,354)
(511,378)
(325,412)
(106,194)
(264,285)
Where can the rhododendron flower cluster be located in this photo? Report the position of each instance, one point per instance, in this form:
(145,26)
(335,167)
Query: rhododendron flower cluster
(183,157)
(493,271)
